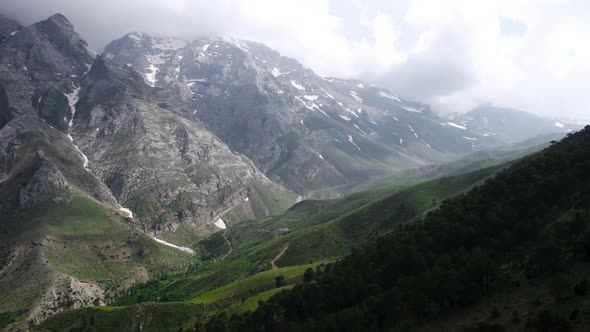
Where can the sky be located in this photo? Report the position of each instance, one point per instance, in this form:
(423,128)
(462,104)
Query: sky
(532,55)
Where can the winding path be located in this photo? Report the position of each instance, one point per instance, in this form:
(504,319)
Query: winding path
(272,263)
(228,244)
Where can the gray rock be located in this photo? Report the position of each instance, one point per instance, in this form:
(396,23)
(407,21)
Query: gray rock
(46,182)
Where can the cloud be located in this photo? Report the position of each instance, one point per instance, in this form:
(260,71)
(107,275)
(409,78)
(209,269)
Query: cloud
(454,54)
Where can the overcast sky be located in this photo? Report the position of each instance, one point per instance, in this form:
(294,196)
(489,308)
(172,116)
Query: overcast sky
(453,54)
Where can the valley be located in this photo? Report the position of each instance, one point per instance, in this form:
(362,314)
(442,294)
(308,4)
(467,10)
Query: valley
(214,184)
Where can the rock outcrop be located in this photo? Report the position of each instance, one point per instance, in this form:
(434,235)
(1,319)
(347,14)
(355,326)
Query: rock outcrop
(46,182)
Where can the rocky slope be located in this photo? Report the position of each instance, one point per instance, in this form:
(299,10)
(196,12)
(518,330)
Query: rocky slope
(302,130)
(170,169)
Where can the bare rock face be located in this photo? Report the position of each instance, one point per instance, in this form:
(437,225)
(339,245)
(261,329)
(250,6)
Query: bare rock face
(45,183)
(166,168)
(53,107)
(303,131)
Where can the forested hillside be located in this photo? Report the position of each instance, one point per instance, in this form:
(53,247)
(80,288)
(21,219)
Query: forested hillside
(526,226)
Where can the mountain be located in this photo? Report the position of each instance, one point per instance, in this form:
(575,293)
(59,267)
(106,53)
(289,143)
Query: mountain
(510,125)
(170,171)
(96,168)
(303,131)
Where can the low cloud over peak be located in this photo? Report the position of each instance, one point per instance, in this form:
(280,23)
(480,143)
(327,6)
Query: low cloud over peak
(527,54)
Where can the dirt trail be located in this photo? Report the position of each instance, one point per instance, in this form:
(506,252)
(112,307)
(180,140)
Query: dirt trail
(272,263)
(228,244)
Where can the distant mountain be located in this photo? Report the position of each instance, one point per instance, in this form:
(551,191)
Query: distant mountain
(510,125)
(301,130)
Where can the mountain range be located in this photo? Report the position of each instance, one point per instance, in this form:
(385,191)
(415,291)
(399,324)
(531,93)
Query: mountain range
(120,166)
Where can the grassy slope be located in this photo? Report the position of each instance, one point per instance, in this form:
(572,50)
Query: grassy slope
(145,317)
(314,230)
(262,202)
(470,163)
(252,285)
(251,303)
(81,238)
(336,237)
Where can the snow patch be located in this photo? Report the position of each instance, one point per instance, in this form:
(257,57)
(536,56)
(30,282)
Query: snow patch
(351,140)
(128,212)
(425,143)
(321,157)
(246,199)
(470,138)
(362,131)
(185,249)
(360,85)
(135,36)
(151,76)
(452,124)
(388,96)
(412,109)
(237,43)
(313,106)
(85,160)
(297,85)
(276,72)
(72,100)
(220,224)
(356,97)
(206,47)
(344,117)
(327,94)
(310,98)
(413,131)
(559,124)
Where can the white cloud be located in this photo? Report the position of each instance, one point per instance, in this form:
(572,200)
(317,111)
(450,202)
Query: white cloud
(452,54)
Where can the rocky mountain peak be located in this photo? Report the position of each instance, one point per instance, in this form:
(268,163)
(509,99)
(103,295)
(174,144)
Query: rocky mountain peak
(60,21)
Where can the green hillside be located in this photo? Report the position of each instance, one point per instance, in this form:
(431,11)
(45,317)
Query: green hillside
(311,231)
(79,238)
(509,255)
